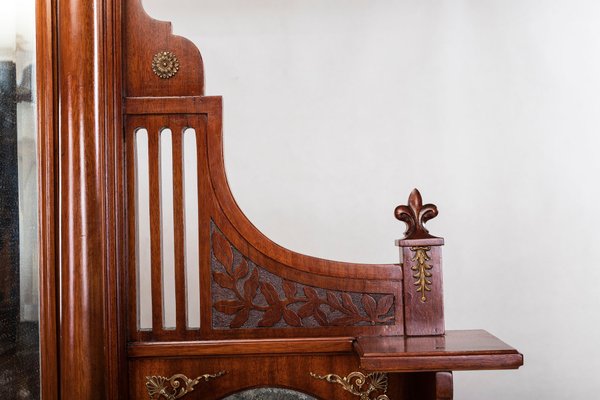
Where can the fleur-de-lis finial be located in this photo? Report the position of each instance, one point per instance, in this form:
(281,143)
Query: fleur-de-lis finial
(414,215)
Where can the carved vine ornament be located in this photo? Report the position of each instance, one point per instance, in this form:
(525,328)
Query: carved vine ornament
(292,302)
(161,387)
(372,386)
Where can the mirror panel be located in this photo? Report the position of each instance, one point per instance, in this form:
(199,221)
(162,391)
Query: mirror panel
(269,394)
(19,287)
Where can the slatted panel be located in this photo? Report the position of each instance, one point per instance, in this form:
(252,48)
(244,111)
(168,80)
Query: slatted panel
(179,237)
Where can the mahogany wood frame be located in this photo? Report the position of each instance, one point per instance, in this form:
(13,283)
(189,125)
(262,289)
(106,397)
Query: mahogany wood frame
(93,84)
(79,121)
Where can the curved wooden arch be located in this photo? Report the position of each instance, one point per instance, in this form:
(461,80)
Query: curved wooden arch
(357,291)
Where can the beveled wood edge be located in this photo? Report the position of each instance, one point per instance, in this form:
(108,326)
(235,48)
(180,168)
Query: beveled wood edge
(442,363)
(410,354)
(172,105)
(456,360)
(419,242)
(241,347)
(507,350)
(47,149)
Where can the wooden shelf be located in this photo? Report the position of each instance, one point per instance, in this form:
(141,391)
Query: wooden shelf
(455,351)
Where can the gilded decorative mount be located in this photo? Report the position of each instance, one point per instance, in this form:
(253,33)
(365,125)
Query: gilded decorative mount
(415,215)
(422,270)
(361,385)
(165,64)
(174,387)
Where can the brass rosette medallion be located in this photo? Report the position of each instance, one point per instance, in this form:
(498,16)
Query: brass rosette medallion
(165,64)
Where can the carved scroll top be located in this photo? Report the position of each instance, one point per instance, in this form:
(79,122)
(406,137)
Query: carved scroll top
(415,215)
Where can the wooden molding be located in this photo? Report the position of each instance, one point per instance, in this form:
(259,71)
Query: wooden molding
(92,350)
(47,107)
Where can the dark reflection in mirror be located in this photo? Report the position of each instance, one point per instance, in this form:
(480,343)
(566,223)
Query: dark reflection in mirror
(269,394)
(19,335)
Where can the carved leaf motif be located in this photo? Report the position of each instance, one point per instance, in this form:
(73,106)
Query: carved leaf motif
(384,304)
(306,309)
(320,317)
(349,304)
(222,251)
(291,318)
(223,280)
(270,293)
(241,318)
(229,307)
(311,293)
(370,306)
(333,301)
(309,300)
(251,285)
(271,317)
(241,270)
(289,289)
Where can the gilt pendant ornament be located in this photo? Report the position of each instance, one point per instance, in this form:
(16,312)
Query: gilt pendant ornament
(422,270)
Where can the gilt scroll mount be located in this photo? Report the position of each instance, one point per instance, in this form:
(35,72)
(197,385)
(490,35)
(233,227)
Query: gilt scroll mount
(371,386)
(175,387)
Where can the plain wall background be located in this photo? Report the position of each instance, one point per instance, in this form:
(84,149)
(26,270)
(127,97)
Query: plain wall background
(336,109)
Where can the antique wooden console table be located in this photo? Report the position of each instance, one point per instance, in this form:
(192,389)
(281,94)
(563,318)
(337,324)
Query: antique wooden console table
(264,316)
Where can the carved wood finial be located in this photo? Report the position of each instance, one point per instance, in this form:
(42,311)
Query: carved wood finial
(415,215)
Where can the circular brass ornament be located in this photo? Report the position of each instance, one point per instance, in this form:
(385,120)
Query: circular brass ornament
(165,64)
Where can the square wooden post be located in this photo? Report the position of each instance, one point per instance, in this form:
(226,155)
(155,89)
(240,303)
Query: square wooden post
(421,258)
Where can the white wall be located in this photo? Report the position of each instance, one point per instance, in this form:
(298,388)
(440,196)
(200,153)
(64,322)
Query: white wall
(335,110)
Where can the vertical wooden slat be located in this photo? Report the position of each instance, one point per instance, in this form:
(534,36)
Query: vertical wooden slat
(204,199)
(131,232)
(179,228)
(155,228)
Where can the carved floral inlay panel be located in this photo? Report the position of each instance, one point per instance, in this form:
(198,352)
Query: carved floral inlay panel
(245,295)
